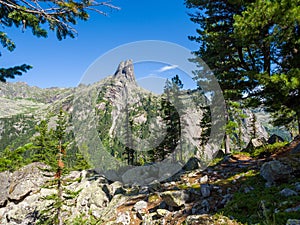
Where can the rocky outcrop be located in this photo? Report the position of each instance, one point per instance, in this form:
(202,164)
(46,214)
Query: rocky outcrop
(275,171)
(274,139)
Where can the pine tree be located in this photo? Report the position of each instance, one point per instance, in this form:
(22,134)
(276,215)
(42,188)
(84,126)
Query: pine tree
(258,57)
(53,214)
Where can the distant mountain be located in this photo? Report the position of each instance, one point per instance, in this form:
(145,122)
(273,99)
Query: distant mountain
(116,111)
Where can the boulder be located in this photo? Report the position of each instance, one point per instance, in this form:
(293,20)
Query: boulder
(92,196)
(203,180)
(255,143)
(203,219)
(175,198)
(142,175)
(192,164)
(205,190)
(274,139)
(286,192)
(293,222)
(140,205)
(162,212)
(275,171)
(28,179)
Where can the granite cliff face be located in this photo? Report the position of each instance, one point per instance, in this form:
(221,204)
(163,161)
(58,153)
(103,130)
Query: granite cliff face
(23,107)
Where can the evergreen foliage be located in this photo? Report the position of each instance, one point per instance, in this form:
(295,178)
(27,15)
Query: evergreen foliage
(258,57)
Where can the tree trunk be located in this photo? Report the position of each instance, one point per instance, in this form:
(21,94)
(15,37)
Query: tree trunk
(227,137)
(298,122)
(59,185)
(227,143)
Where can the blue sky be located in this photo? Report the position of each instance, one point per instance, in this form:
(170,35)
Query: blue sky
(63,63)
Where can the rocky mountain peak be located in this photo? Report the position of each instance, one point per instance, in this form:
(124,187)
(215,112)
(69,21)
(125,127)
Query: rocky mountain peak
(125,70)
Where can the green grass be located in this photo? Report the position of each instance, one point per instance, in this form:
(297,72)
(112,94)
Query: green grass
(268,150)
(259,206)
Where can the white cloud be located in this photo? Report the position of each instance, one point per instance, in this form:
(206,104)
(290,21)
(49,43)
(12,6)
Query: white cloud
(166,68)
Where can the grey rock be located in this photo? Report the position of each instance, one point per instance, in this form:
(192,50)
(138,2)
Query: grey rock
(248,189)
(255,143)
(205,190)
(117,188)
(4,187)
(140,208)
(203,179)
(123,219)
(201,207)
(275,171)
(26,180)
(219,154)
(140,205)
(155,186)
(297,186)
(192,164)
(162,212)
(125,70)
(174,198)
(286,192)
(296,149)
(293,222)
(274,139)
(203,219)
(92,197)
(109,212)
(226,198)
(142,175)
(294,209)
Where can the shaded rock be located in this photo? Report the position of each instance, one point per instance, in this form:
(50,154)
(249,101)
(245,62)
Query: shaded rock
(297,186)
(296,149)
(117,188)
(154,186)
(192,164)
(168,171)
(293,222)
(226,198)
(4,187)
(248,189)
(274,139)
(205,190)
(286,192)
(175,198)
(219,154)
(109,211)
(201,207)
(142,175)
(294,209)
(275,171)
(255,143)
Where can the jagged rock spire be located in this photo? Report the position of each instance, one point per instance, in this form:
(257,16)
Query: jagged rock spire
(125,70)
